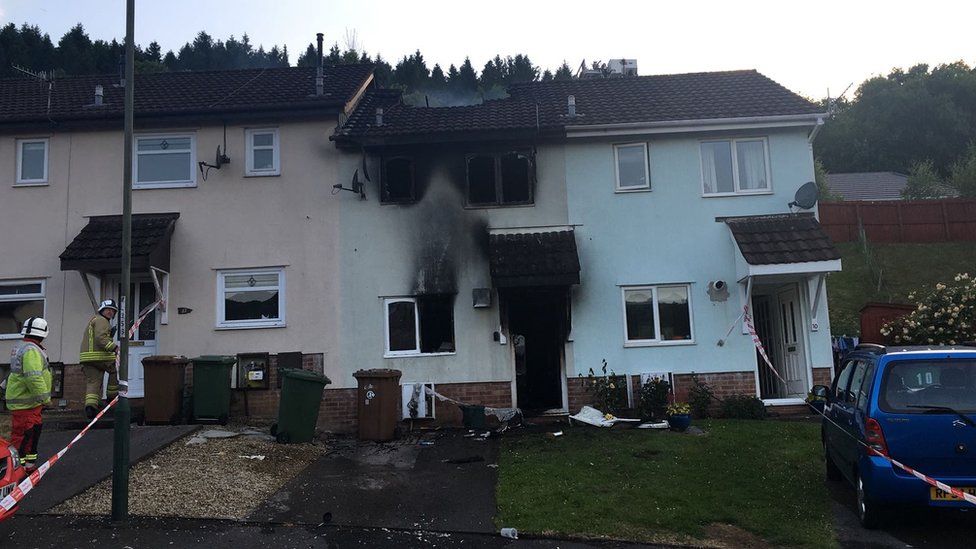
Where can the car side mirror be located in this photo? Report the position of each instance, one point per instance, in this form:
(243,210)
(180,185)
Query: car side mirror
(820,392)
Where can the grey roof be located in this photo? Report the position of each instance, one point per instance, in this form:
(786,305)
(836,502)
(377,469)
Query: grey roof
(777,239)
(867,185)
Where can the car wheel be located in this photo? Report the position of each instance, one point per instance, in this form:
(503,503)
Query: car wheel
(833,473)
(868,512)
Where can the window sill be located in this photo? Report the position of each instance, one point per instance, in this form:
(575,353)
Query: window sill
(418,355)
(10,336)
(726,195)
(664,343)
(31,184)
(499,206)
(263,174)
(149,186)
(633,190)
(249,326)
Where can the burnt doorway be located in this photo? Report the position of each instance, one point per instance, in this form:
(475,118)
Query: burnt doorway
(538,320)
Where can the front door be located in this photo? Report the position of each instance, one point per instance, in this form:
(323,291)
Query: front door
(791,343)
(537,321)
(143,342)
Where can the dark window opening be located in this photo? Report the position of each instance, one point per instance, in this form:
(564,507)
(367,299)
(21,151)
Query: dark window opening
(481,180)
(436,324)
(499,179)
(398,182)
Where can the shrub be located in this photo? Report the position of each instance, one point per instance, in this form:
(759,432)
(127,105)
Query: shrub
(653,398)
(947,316)
(609,390)
(700,397)
(678,408)
(743,407)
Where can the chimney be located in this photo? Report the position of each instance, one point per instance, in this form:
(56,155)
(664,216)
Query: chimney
(379,116)
(319,71)
(571,106)
(99,95)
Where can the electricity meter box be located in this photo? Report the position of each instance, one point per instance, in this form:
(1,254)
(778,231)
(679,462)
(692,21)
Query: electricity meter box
(252,371)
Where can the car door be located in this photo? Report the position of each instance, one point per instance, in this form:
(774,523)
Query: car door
(849,445)
(834,425)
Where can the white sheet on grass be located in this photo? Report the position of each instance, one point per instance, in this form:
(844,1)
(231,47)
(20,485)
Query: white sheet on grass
(596,418)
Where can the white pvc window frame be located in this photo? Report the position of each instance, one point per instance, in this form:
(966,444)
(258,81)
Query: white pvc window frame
(616,168)
(223,324)
(37,296)
(387,353)
(32,182)
(275,148)
(657,341)
(736,189)
(175,184)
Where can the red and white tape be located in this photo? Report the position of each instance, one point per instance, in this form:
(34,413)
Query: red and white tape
(8,503)
(758,342)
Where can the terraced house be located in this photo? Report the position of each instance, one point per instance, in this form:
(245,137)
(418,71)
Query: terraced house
(495,251)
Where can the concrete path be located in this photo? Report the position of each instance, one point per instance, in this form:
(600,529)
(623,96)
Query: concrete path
(90,461)
(397,485)
(43,532)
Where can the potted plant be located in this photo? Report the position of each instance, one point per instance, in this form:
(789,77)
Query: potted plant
(679,416)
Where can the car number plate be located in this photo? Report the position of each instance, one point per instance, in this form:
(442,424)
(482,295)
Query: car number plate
(942,495)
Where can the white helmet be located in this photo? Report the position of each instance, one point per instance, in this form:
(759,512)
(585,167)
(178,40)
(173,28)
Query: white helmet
(108,304)
(35,326)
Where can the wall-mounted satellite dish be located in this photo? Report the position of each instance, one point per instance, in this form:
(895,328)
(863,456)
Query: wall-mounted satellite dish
(806,196)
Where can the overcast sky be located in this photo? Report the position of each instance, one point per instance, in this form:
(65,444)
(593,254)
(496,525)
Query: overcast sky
(808,47)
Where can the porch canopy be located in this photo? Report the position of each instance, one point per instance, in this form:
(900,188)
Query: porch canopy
(793,244)
(533,257)
(98,247)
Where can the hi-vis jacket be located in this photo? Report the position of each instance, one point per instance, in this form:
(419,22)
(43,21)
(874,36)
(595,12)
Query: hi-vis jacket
(97,344)
(29,383)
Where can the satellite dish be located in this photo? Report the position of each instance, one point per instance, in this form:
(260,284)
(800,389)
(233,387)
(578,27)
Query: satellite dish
(806,196)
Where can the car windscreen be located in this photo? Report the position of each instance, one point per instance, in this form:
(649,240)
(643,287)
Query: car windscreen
(920,386)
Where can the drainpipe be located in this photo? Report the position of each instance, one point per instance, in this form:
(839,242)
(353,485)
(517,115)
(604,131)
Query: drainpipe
(816,130)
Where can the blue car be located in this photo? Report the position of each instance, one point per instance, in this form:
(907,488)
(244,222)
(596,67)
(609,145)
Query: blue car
(916,405)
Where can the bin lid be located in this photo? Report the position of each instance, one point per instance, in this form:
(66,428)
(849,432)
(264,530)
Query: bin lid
(165,359)
(378,372)
(305,375)
(214,359)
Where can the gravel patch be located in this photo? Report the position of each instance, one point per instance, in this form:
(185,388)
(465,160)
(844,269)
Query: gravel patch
(224,478)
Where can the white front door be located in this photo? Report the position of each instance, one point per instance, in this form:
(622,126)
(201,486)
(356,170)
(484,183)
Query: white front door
(791,341)
(143,343)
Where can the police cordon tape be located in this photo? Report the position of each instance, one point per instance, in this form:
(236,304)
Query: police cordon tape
(8,503)
(871,450)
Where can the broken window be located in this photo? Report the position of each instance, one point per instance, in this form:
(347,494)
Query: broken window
(499,179)
(420,325)
(398,184)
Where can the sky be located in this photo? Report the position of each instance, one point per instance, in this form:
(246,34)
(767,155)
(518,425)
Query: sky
(809,47)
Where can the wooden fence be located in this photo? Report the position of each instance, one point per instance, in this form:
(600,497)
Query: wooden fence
(946,220)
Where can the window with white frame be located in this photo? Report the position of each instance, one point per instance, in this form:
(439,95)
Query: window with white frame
(165,161)
(251,298)
(19,300)
(735,166)
(32,161)
(422,325)
(657,314)
(263,156)
(631,167)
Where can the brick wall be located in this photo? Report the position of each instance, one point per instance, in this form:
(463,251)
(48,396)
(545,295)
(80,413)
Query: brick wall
(723,384)
(822,376)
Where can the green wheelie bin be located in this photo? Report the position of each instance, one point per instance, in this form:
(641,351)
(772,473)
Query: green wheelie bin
(211,387)
(298,407)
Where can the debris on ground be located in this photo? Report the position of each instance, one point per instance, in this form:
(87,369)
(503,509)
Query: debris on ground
(591,416)
(225,476)
(463,460)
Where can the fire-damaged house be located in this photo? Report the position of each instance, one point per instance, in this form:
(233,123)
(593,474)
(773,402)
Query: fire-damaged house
(499,251)
(495,251)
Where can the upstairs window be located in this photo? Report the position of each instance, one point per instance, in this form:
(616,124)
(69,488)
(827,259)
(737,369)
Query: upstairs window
(263,157)
(398,180)
(165,161)
(735,166)
(631,167)
(19,300)
(32,160)
(422,325)
(499,179)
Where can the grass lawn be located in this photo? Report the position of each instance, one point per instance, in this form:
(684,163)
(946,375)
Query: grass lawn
(902,268)
(765,477)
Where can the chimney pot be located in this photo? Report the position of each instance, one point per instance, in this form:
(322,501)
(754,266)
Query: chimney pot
(571,105)
(379,116)
(99,95)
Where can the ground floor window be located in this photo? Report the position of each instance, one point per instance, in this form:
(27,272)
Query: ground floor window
(657,314)
(19,300)
(251,298)
(419,325)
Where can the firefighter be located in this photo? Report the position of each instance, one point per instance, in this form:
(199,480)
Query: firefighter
(28,389)
(98,356)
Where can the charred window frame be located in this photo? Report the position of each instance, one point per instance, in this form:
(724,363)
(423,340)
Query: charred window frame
(398,181)
(417,326)
(500,179)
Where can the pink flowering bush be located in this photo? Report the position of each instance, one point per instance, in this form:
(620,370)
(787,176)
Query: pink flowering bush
(947,316)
